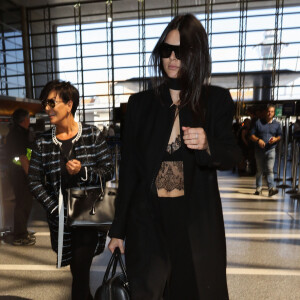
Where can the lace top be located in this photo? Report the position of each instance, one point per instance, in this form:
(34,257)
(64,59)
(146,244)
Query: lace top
(169,181)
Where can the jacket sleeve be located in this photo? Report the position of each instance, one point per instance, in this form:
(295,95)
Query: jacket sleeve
(104,165)
(36,178)
(128,176)
(224,152)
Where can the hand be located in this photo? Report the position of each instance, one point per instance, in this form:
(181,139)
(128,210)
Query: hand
(272,140)
(115,243)
(195,138)
(261,144)
(73,166)
(24,163)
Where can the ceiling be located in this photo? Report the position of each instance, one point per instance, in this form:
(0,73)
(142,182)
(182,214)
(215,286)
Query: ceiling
(127,9)
(132,4)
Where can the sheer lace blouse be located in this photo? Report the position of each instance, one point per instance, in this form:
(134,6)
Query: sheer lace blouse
(169,181)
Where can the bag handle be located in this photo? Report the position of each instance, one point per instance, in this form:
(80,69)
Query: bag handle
(99,174)
(113,262)
(101,184)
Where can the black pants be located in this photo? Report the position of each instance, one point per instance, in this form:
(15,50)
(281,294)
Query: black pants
(181,283)
(23,199)
(84,242)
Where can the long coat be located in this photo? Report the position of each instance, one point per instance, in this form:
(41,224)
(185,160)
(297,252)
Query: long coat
(149,122)
(45,182)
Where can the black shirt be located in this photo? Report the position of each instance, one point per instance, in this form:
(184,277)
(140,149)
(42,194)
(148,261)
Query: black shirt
(67,153)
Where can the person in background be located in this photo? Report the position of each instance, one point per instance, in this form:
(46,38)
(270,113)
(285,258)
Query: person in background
(104,131)
(18,154)
(68,155)
(168,208)
(246,145)
(266,133)
(111,130)
(236,127)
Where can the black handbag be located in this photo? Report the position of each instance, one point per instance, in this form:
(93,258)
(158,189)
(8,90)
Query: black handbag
(91,207)
(116,287)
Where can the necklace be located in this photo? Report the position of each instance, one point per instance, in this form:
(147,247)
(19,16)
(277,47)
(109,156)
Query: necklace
(57,142)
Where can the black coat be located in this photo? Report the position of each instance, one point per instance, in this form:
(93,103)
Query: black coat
(147,130)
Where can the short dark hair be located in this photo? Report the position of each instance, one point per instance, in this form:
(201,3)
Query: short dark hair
(195,60)
(65,90)
(271,105)
(19,115)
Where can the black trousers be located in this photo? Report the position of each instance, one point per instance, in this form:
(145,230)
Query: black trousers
(23,199)
(181,283)
(84,242)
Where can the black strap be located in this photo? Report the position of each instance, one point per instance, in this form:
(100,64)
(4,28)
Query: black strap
(112,265)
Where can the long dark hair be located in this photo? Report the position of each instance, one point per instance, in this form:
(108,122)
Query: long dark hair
(195,61)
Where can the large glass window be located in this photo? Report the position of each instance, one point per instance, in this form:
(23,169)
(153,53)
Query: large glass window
(12,77)
(81,53)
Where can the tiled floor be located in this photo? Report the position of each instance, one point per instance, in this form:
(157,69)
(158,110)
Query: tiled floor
(263,250)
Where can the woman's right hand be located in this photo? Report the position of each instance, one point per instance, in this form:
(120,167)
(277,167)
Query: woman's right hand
(116,243)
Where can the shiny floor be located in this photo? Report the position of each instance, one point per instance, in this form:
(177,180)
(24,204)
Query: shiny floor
(263,250)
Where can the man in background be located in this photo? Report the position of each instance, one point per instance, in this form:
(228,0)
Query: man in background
(18,154)
(266,133)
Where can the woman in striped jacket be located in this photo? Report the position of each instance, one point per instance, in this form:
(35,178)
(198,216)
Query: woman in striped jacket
(67,155)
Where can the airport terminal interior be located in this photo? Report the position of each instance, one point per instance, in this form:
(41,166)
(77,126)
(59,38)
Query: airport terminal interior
(103,48)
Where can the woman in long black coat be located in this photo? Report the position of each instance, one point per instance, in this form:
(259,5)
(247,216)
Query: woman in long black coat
(168,207)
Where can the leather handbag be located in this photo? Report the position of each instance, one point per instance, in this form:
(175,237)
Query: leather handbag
(91,206)
(116,287)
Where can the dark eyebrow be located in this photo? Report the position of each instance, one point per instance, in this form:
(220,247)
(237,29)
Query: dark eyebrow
(51,99)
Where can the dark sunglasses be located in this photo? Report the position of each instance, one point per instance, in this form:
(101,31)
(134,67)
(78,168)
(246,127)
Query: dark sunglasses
(50,102)
(166,50)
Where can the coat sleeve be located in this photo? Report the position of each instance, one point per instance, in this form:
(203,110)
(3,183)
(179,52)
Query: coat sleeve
(224,152)
(104,165)
(128,176)
(36,178)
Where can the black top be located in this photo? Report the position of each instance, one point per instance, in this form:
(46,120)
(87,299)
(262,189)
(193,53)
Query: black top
(67,153)
(174,155)
(170,175)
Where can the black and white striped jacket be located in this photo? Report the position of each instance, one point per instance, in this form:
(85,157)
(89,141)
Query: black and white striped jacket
(44,179)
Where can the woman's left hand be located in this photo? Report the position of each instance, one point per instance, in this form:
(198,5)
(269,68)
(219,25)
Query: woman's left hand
(73,166)
(195,138)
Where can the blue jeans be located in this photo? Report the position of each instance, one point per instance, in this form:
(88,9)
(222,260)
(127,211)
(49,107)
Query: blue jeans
(264,162)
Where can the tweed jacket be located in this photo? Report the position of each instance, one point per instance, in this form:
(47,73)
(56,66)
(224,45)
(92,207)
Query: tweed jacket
(45,182)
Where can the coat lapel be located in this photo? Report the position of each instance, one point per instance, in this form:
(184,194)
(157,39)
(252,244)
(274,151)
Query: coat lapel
(55,174)
(185,116)
(187,119)
(162,130)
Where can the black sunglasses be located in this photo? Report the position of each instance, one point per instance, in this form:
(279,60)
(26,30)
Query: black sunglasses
(50,102)
(167,49)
